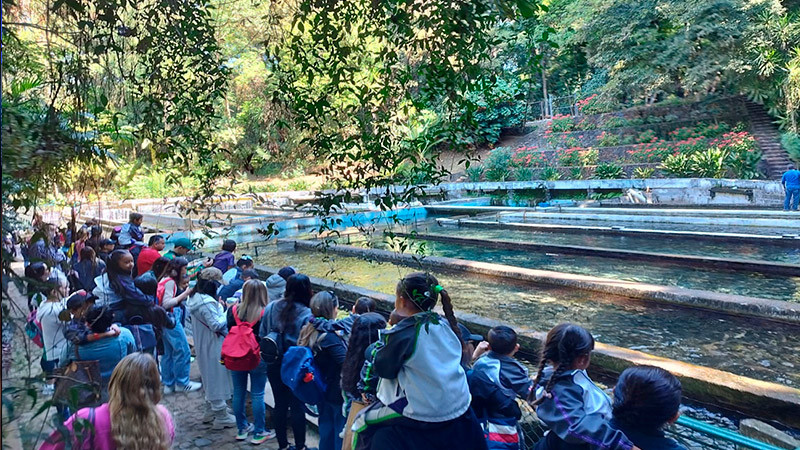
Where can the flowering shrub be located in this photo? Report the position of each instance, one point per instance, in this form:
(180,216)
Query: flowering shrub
(528,157)
(647,136)
(589,157)
(581,104)
(569,157)
(562,123)
(700,130)
(607,139)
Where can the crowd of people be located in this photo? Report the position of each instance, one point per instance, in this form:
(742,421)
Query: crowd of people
(419,380)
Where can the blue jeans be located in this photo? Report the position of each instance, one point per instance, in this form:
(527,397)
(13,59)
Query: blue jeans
(176,362)
(258,380)
(331,422)
(792,193)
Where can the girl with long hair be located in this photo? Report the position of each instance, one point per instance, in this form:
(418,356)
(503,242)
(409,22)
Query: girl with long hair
(176,360)
(287,317)
(128,301)
(574,408)
(250,309)
(131,420)
(424,400)
(365,332)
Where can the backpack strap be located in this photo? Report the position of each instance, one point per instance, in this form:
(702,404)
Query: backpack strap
(239,321)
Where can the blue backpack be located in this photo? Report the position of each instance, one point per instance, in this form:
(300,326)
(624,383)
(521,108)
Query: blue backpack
(300,373)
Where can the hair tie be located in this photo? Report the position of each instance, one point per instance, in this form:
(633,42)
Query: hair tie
(438,288)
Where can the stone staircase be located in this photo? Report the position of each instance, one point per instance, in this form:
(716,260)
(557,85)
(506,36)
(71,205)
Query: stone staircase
(769,140)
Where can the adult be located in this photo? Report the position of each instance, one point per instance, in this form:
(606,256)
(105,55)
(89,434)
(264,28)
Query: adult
(210,329)
(44,246)
(329,350)
(287,317)
(132,418)
(181,246)
(791,184)
(176,361)
(228,291)
(150,254)
(276,283)
(95,237)
(250,310)
(109,351)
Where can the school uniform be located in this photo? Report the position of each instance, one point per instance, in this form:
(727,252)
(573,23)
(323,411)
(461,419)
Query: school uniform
(647,439)
(495,381)
(422,390)
(578,414)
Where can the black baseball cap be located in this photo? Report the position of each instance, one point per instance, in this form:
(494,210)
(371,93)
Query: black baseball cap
(79,298)
(467,336)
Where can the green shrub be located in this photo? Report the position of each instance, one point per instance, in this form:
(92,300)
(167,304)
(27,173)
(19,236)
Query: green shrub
(710,163)
(678,165)
(628,139)
(523,174)
(643,172)
(608,171)
(646,136)
(576,173)
(298,185)
(568,157)
(671,118)
(562,123)
(569,142)
(474,173)
(607,139)
(497,164)
(615,122)
(791,143)
(550,174)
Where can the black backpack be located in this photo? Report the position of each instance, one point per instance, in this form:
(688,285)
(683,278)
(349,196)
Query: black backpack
(272,347)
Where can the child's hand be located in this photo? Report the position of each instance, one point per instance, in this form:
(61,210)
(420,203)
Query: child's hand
(482,348)
(395,317)
(114,330)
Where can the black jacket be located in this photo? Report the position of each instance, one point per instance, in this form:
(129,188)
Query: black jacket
(329,354)
(647,439)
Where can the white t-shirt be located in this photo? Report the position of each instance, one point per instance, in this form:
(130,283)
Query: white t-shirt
(52,328)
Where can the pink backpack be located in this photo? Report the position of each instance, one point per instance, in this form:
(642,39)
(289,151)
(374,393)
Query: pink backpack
(240,349)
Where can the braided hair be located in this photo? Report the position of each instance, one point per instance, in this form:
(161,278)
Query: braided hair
(423,290)
(564,344)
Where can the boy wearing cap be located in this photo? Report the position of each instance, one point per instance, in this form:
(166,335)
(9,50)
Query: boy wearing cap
(104,249)
(495,381)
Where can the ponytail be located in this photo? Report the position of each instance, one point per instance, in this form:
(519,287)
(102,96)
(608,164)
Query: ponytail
(563,345)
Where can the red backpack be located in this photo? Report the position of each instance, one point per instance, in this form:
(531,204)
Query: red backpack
(240,349)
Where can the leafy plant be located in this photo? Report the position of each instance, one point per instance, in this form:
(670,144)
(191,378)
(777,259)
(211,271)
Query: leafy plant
(678,165)
(607,139)
(643,172)
(608,171)
(791,143)
(576,173)
(646,136)
(710,163)
(474,173)
(568,157)
(589,157)
(523,174)
(562,123)
(299,185)
(498,163)
(550,174)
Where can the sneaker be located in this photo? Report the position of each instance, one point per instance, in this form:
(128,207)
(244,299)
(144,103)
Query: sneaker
(168,389)
(224,420)
(242,434)
(191,387)
(48,390)
(262,437)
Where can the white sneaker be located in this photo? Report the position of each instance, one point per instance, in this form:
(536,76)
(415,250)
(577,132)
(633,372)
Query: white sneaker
(168,389)
(190,387)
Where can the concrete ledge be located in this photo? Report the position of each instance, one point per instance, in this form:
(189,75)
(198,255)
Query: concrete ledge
(744,265)
(730,304)
(761,399)
(792,242)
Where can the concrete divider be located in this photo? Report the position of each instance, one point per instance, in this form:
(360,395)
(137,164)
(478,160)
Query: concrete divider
(744,265)
(783,311)
(792,242)
(760,399)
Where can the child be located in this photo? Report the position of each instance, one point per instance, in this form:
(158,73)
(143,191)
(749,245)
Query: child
(494,382)
(87,270)
(131,233)
(52,327)
(224,260)
(276,283)
(105,249)
(646,399)
(242,264)
(150,254)
(362,305)
(566,399)
(422,388)
(363,334)
(36,274)
(129,301)
(76,330)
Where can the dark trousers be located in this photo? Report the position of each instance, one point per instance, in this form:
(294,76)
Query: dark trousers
(331,423)
(284,401)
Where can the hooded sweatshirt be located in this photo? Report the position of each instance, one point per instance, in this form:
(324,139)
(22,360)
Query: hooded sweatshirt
(276,286)
(329,354)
